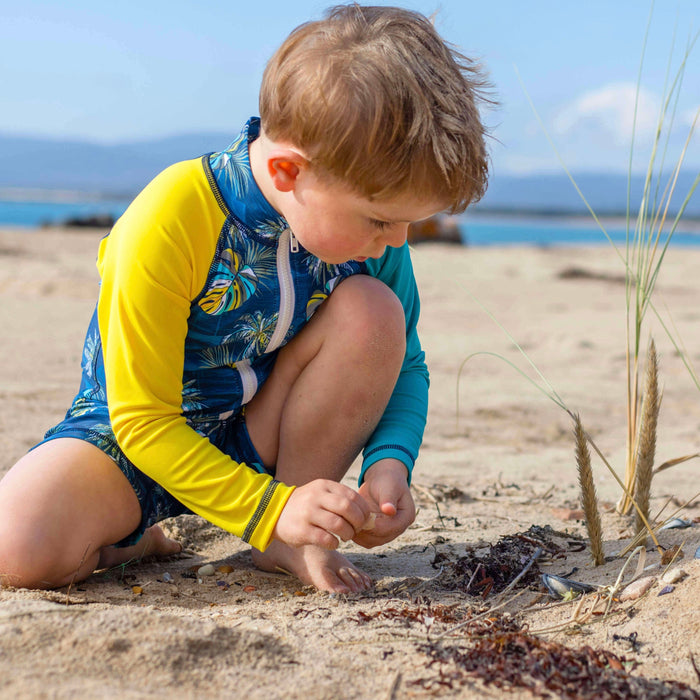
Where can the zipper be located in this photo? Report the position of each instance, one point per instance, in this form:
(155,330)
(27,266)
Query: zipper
(286,245)
(249,380)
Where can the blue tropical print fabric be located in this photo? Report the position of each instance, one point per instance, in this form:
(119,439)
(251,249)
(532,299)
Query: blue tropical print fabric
(257,296)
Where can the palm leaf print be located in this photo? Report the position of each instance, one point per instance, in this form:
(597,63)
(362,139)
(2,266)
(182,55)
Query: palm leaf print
(317,298)
(217,356)
(255,330)
(324,272)
(262,259)
(233,165)
(233,284)
(271,230)
(89,351)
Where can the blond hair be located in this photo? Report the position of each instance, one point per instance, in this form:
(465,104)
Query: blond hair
(375,98)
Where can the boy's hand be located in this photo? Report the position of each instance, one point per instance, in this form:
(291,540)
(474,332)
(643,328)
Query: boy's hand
(386,490)
(321,512)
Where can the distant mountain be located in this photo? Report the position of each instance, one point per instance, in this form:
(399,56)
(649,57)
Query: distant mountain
(554,193)
(122,168)
(126,167)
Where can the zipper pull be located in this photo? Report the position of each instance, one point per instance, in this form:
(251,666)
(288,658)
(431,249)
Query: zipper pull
(293,243)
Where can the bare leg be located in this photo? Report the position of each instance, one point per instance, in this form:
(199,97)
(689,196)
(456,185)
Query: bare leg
(325,396)
(61,506)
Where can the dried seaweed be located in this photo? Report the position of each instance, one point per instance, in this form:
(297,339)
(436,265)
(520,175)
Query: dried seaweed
(426,614)
(507,656)
(479,573)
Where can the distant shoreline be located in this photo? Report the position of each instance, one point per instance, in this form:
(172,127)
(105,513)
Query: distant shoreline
(612,220)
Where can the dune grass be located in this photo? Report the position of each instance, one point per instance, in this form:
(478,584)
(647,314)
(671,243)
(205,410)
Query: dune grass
(649,232)
(648,235)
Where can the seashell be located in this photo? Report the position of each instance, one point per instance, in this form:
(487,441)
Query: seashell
(673,575)
(667,589)
(167,578)
(697,553)
(224,569)
(676,523)
(369,523)
(206,570)
(637,588)
(560,587)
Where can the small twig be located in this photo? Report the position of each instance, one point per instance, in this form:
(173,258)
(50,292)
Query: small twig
(473,576)
(425,491)
(618,582)
(428,580)
(72,581)
(394,686)
(535,556)
(694,665)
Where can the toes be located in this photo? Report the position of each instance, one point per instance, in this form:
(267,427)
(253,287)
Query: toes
(172,547)
(354,579)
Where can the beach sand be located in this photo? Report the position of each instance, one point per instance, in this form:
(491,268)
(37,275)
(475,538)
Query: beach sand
(500,464)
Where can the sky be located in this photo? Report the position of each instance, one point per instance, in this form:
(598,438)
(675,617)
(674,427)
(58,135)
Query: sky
(108,72)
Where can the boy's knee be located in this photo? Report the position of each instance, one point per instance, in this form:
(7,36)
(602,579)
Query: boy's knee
(372,315)
(21,566)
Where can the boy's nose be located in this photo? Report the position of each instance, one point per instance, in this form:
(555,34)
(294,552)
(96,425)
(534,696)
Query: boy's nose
(397,236)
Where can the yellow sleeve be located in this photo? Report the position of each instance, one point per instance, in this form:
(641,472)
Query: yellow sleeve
(152,265)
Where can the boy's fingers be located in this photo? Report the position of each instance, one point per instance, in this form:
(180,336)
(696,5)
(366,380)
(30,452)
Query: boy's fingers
(323,538)
(354,510)
(388,508)
(336,525)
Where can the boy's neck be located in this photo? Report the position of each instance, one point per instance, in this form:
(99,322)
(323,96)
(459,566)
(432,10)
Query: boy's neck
(257,155)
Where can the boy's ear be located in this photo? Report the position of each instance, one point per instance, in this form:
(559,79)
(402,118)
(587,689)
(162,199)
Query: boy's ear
(284,166)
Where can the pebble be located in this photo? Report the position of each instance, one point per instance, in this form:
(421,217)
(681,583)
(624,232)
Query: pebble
(167,578)
(206,570)
(697,553)
(667,589)
(673,575)
(637,588)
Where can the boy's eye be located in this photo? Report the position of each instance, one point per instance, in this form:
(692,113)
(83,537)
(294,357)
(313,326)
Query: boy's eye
(381,225)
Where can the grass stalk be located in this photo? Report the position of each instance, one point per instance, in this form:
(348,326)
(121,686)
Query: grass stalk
(646,442)
(646,243)
(644,255)
(589,499)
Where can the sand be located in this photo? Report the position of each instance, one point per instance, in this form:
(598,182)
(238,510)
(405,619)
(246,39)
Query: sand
(500,464)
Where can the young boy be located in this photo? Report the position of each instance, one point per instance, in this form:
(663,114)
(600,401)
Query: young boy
(256,322)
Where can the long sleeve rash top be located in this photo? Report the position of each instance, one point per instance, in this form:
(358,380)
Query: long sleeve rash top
(200,286)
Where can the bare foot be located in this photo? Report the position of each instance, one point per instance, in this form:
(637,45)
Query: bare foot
(326,569)
(153,543)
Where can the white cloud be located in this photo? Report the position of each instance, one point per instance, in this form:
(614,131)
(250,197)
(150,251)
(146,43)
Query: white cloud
(610,110)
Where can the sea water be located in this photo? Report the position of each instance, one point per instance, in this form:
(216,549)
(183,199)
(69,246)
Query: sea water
(477,229)
(483,230)
(31,214)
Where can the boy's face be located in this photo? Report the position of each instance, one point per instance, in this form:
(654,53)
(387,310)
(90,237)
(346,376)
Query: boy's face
(337,225)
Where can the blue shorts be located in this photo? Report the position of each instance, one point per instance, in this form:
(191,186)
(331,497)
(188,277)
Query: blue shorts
(230,435)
